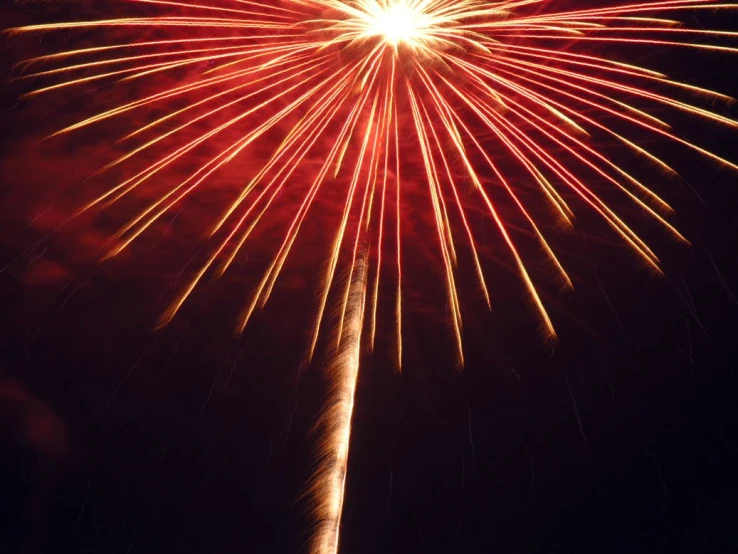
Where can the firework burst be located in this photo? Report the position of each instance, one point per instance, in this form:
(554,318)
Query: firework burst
(480,92)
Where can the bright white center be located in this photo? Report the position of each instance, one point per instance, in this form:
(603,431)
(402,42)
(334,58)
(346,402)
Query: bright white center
(396,24)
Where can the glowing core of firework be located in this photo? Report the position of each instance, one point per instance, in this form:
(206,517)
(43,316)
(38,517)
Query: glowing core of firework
(397,24)
(392,22)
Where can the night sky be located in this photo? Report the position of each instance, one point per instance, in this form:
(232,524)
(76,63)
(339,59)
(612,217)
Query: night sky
(118,438)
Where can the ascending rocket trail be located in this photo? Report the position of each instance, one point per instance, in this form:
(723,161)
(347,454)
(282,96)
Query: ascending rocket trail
(329,483)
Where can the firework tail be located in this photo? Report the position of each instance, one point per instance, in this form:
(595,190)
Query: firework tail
(328,485)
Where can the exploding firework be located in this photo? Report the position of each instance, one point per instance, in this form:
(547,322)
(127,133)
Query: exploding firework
(478,92)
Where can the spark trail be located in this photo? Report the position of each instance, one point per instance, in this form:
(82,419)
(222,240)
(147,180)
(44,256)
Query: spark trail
(329,483)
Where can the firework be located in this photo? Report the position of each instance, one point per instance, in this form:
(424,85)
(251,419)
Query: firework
(480,92)
(329,483)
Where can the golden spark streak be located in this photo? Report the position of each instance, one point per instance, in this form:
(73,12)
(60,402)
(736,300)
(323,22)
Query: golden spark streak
(329,483)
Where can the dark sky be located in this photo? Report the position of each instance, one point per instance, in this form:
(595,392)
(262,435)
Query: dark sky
(117,438)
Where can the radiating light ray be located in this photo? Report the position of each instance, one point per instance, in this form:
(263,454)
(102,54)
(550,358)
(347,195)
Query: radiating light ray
(398,237)
(385,177)
(446,118)
(152,213)
(442,238)
(504,100)
(371,141)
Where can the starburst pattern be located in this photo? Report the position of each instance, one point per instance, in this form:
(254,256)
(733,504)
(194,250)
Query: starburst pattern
(402,79)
